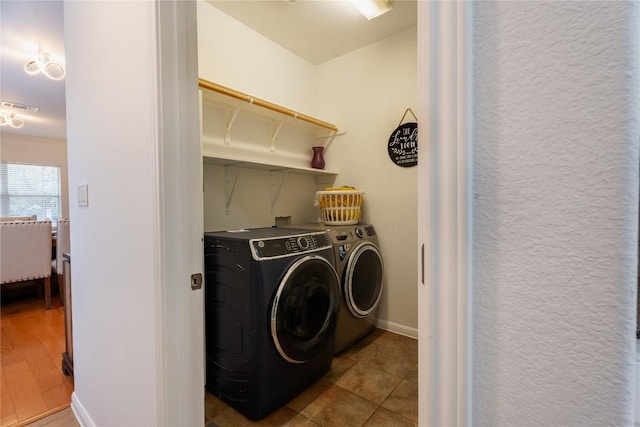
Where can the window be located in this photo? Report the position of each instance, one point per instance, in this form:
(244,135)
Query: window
(27,190)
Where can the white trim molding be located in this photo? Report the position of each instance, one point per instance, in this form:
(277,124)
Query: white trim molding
(445,98)
(80,412)
(396,328)
(180,345)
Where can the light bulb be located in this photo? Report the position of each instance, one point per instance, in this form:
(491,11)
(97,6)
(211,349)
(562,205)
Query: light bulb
(43,64)
(11,120)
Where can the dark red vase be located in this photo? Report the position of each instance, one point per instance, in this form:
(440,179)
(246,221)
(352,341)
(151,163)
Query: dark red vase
(317,161)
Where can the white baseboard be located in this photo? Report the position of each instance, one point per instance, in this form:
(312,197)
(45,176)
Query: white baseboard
(397,329)
(81,414)
(636,399)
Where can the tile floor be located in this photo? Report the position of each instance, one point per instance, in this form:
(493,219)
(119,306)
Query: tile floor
(373,383)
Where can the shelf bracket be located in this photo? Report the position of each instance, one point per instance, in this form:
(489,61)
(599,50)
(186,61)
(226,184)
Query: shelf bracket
(323,181)
(227,132)
(276,180)
(272,146)
(230,180)
(329,138)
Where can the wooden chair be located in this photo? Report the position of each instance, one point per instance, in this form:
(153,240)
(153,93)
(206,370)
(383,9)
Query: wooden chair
(25,253)
(63,245)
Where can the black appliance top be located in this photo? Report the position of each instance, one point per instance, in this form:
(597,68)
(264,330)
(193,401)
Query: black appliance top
(273,242)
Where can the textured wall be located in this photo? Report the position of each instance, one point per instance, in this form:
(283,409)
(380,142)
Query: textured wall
(555,212)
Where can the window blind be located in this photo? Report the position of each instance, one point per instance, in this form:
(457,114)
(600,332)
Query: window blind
(27,190)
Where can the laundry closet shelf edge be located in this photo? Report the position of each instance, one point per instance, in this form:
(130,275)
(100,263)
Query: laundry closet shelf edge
(216,93)
(230,161)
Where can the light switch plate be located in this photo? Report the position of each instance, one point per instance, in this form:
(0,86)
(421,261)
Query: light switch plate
(83,195)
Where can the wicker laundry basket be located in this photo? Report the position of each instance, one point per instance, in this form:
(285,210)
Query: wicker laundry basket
(340,206)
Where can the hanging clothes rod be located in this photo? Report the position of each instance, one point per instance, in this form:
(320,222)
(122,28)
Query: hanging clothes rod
(264,104)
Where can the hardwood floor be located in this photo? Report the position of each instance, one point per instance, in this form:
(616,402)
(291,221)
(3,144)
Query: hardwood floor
(32,342)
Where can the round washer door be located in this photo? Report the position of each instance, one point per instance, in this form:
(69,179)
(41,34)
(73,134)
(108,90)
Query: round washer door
(363,280)
(304,311)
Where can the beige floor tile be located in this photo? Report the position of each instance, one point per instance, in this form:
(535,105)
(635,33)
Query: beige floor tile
(385,418)
(63,418)
(339,407)
(404,400)
(299,402)
(232,418)
(360,349)
(300,421)
(340,365)
(369,382)
(390,359)
(213,406)
(400,342)
(412,375)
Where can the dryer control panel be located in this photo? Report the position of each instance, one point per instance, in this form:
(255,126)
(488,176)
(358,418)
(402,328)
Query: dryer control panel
(280,247)
(350,233)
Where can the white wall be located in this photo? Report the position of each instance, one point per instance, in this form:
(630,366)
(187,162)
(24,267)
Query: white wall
(38,151)
(368,90)
(254,65)
(112,138)
(133,137)
(250,205)
(234,55)
(555,212)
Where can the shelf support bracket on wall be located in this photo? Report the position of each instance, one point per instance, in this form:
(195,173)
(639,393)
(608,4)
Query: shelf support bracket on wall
(230,180)
(329,138)
(272,146)
(276,180)
(227,131)
(323,181)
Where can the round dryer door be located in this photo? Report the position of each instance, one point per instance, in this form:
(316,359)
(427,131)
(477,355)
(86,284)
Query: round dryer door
(305,309)
(363,280)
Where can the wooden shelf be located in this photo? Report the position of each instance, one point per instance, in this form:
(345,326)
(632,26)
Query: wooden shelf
(221,150)
(238,100)
(273,166)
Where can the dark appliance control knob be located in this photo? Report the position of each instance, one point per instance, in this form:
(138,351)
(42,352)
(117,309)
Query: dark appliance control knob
(303,243)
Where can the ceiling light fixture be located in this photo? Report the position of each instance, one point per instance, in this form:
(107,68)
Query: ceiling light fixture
(373,8)
(43,64)
(17,106)
(11,120)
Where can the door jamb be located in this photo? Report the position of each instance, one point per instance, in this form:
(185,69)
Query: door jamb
(445,96)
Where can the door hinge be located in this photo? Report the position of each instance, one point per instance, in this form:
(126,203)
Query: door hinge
(196,281)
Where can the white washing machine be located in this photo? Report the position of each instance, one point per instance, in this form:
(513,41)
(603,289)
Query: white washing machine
(359,265)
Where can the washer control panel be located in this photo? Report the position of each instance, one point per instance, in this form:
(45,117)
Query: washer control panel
(280,247)
(344,234)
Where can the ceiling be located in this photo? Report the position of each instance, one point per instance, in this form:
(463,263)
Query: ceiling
(26,27)
(316,30)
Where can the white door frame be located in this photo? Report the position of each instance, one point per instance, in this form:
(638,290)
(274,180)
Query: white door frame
(444,212)
(181,338)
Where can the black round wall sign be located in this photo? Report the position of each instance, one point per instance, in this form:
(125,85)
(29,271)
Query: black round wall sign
(403,145)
